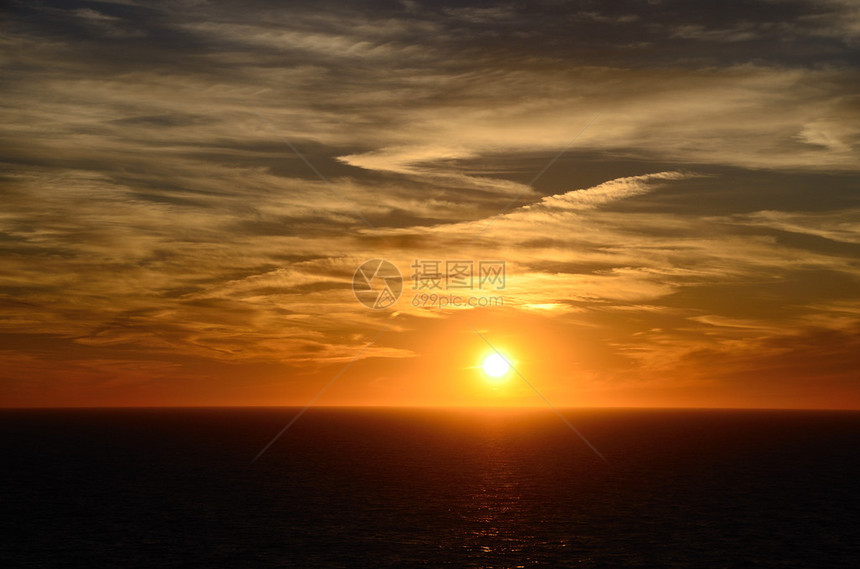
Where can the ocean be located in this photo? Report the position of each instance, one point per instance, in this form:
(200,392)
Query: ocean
(472,488)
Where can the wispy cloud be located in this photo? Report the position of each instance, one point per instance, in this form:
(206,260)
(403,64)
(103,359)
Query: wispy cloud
(149,214)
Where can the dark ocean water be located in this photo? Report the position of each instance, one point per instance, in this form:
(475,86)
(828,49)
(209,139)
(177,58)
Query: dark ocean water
(420,488)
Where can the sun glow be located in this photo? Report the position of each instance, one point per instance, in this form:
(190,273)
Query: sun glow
(496,366)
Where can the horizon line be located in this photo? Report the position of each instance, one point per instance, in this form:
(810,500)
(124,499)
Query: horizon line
(433,407)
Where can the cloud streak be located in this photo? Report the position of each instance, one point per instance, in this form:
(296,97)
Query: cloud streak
(151,216)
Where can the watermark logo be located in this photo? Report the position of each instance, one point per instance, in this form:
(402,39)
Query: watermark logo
(428,274)
(377,284)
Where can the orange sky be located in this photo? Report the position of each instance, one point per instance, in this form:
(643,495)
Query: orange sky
(187,194)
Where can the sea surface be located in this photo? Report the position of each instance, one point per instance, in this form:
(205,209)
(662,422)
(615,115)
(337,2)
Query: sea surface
(408,488)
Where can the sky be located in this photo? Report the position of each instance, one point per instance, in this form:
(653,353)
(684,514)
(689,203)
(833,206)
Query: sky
(188,188)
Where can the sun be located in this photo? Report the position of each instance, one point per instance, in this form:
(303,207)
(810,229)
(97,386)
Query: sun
(496,366)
